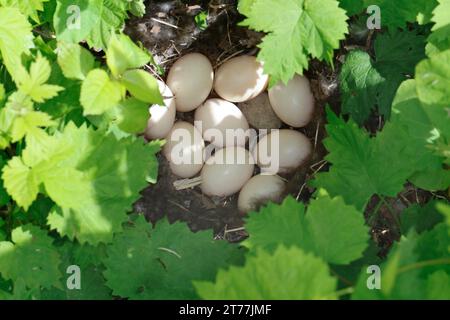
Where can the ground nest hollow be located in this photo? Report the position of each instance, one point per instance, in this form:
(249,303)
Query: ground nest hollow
(169,31)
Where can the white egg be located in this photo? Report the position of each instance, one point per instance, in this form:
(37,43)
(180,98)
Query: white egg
(227,171)
(259,190)
(184,150)
(282,151)
(293,103)
(191,81)
(162,118)
(222,123)
(240,79)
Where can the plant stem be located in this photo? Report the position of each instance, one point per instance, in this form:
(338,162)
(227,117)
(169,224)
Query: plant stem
(421,264)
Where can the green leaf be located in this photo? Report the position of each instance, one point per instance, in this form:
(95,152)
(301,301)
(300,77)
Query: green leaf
(359,83)
(439,40)
(420,218)
(33,83)
(132,115)
(143,86)
(346,234)
(433,79)
(27,7)
(74,60)
(30,123)
(20,182)
(123,54)
(353,6)
(438,286)
(416,131)
(15,39)
(30,257)
(74,19)
(137,7)
(99,93)
(2,92)
(297,29)
(368,84)
(160,263)
(287,274)
(410,264)
(361,166)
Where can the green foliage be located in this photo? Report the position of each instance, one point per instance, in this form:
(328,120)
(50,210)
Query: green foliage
(285,274)
(75,92)
(161,263)
(346,235)
(368,84)
(297,30)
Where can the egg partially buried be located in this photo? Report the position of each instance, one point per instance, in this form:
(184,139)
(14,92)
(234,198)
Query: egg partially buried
(191,80)
(222,123)
(184,150)
(259,190)
(162,118)
(227,171)
(240,79)
(282,151)
(293,103)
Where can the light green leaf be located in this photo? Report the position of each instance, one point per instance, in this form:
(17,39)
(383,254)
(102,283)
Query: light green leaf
(30,123)
(74,60)
(20,182)
(433,79)
(297,29)
(122,54)
(287,274)
(15,39)
(132,115)
(27,7)
(99,93)
(30,257)
(143,86)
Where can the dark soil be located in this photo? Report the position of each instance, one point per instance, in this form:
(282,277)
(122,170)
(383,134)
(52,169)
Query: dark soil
(169,31)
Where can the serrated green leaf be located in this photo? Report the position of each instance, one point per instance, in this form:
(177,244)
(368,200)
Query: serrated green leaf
(143,86)
(433,79)
(368,84)
(288,274)
(20,182)
(27,7)
(137,7)
(438,286)
(132,115)
(297,29)
(122,54)
(30,123)
(15,39)
(161,263)
(344,227)
(361,166)
(33,83)
(99,93)
(30,257)
(439,40)
(74,60)
(74,19)
(405,273)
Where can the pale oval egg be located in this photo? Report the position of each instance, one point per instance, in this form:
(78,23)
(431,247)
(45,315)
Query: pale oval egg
(221,123)
(226,172)
(191,81)
(240,79)
(259,190)
(184,150)
(282,151)
(293,103)
(161,118)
